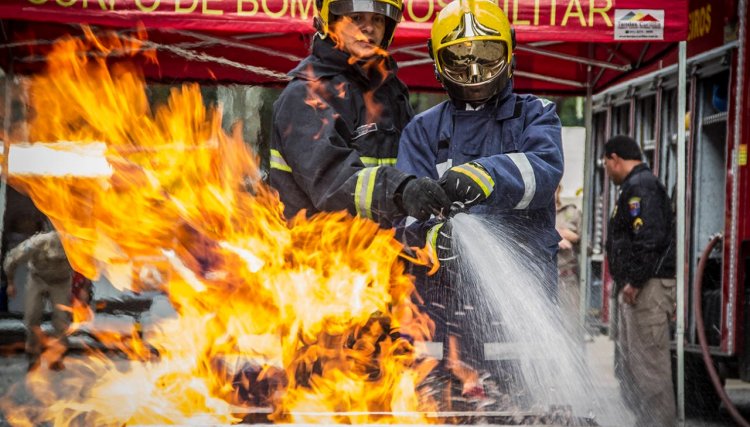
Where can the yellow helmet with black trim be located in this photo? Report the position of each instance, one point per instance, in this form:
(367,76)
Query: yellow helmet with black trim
(472,45)
(328,10)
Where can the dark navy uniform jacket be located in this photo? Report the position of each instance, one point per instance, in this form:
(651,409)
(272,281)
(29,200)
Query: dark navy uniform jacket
(336,130)
(516,138)
(640,236)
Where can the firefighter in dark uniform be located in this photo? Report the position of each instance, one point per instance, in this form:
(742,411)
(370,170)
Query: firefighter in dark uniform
(640,252)
(336,126)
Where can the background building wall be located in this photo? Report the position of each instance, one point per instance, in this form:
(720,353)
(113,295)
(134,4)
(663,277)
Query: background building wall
(574,140)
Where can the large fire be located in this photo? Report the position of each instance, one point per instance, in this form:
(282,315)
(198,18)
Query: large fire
(318,311)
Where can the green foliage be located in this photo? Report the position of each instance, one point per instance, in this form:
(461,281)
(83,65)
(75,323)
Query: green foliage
(569,109)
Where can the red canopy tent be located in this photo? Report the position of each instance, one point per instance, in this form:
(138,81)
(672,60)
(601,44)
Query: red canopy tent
(259,41)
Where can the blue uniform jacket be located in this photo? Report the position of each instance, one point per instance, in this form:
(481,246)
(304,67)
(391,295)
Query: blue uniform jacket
(517,139)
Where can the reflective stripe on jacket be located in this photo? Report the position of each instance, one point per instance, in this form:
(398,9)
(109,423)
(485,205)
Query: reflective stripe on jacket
(517,139)
(336,129)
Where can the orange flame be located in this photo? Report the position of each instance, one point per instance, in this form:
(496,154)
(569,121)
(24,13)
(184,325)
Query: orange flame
(321,305)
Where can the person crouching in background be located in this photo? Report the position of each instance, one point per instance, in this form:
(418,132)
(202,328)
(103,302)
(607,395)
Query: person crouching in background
(49,278)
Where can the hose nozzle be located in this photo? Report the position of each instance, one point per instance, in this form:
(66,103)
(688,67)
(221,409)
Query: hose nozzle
(457,208)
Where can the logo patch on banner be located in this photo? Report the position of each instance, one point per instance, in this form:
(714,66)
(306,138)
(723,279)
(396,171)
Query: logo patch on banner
(639,24)
(634,206)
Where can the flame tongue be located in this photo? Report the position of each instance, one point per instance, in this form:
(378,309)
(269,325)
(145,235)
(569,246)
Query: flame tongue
(319,312)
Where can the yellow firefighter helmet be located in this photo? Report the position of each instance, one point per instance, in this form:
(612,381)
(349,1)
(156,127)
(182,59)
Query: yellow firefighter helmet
(472,45)
(329,9)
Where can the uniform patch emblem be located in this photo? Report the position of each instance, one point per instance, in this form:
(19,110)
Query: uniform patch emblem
(634,206)
(545,102)
(637,224)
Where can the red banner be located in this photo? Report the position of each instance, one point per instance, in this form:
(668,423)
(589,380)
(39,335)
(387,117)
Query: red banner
(259,41)
(535,20)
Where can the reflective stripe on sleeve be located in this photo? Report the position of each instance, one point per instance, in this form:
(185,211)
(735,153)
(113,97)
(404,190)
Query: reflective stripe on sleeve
(363,192)
(278,162)
(482,178)
(432,235)
(527,175)
(377,161)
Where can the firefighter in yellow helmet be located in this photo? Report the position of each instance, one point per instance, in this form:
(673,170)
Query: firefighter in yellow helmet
(495,153)
(336,126)
(472,45)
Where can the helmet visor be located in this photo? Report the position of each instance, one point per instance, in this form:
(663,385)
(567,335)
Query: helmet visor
(345,7)
(473,61)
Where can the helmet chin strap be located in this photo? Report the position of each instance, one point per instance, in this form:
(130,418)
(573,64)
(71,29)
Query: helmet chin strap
(318,26)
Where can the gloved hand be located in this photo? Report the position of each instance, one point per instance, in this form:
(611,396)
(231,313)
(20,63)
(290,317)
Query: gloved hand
(469,184)
(440,241)
(422,197)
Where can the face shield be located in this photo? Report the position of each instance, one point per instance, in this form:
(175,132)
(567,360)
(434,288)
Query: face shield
(346,7)
(475,61)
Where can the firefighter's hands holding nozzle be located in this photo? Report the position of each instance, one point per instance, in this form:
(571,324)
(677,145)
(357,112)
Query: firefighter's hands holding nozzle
(469,184)
(422,197)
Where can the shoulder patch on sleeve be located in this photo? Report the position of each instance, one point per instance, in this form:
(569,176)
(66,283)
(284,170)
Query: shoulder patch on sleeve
(545,102)
(634,206)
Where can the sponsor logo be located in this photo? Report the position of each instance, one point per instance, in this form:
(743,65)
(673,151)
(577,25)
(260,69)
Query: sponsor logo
(639,24)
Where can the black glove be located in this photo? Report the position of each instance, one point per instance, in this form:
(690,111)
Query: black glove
(469,184)
(440,241)
(424,196)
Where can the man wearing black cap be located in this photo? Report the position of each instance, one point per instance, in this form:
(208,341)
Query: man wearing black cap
(641,261)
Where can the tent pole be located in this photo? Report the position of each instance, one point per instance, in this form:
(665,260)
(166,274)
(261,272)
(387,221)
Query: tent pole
(545,78)
(589,163)
(681,263)
(573,58)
